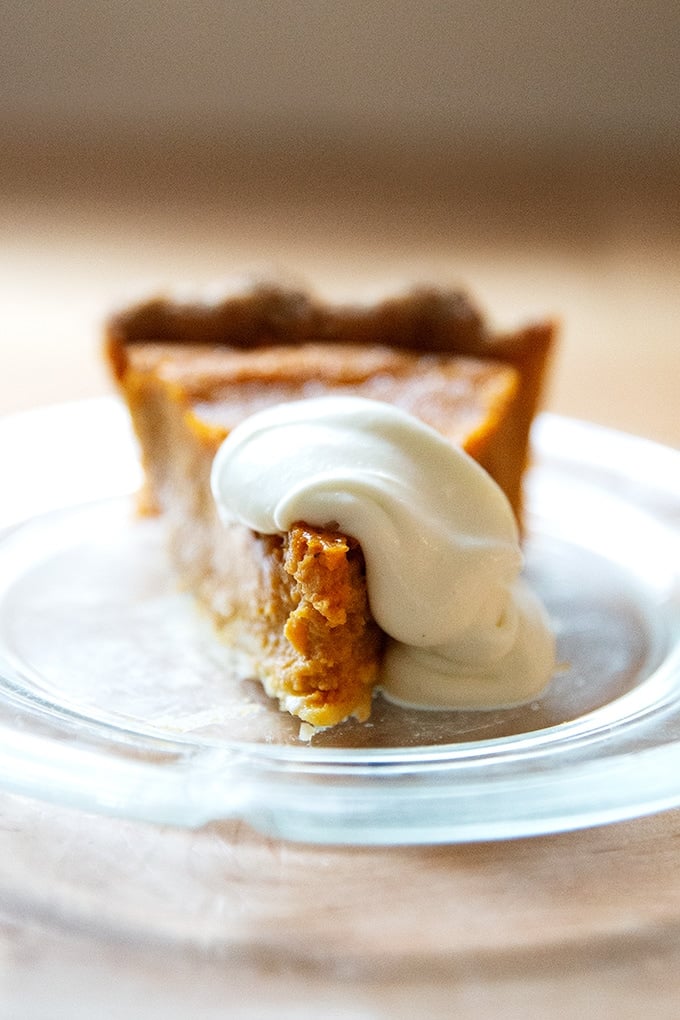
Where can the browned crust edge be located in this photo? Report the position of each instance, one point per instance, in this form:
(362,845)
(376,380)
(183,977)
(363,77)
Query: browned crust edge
(421,319)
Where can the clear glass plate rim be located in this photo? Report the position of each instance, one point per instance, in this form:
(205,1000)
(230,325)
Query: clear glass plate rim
(607,450)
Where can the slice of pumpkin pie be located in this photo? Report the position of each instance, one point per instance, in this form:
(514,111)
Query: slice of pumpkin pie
(297,600)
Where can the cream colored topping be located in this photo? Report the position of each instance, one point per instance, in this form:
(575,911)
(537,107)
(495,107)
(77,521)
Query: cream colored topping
(438,535)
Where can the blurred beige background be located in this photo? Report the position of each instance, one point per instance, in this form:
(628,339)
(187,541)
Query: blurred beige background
(530,152)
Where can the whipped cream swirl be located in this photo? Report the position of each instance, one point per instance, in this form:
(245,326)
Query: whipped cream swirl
(438,535)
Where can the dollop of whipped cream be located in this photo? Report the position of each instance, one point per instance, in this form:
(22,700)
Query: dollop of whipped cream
(438,535)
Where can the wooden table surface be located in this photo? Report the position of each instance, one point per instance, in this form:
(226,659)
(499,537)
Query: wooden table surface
(583,924)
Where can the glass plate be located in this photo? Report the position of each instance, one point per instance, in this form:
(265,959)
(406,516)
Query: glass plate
(117,698)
